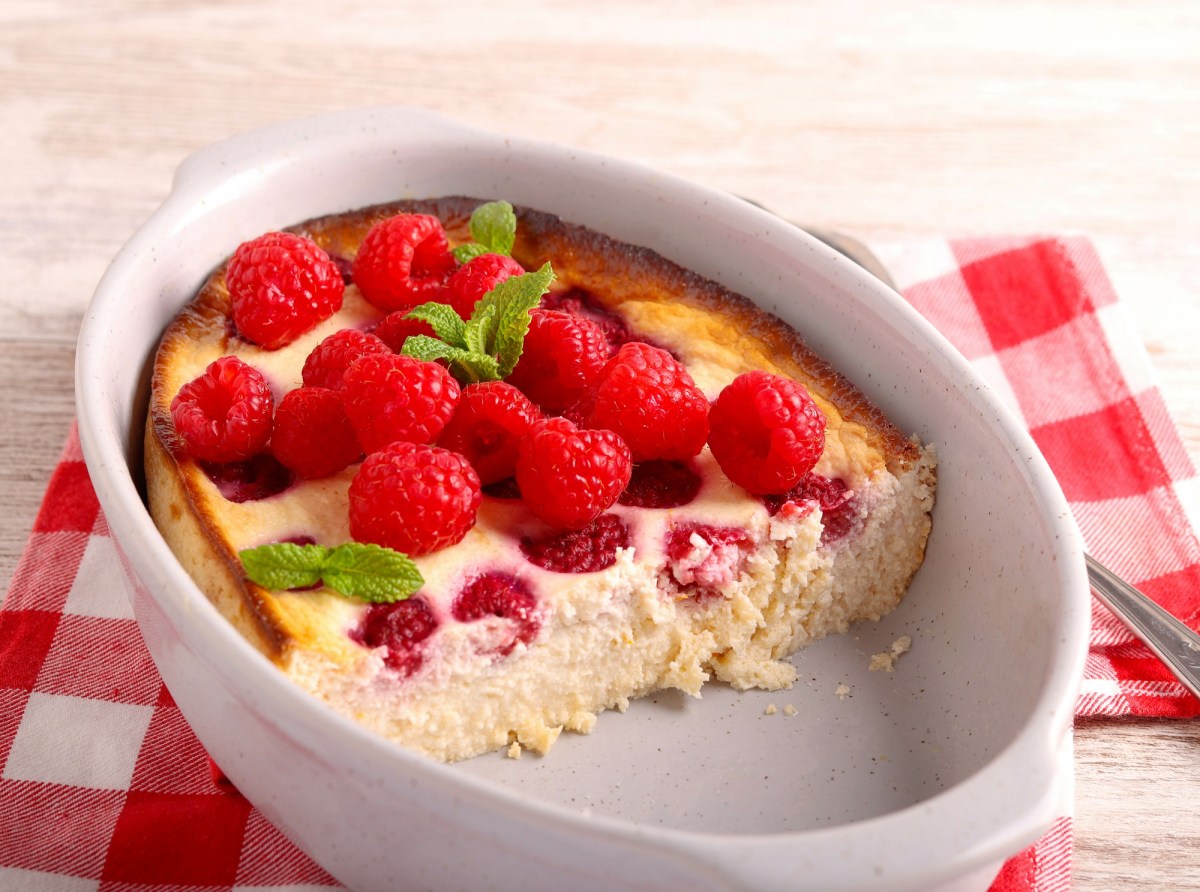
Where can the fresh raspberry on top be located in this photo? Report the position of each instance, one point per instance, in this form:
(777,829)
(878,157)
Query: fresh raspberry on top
(568,477)
(561,358)
(390,397)
(329,360)
(477,277)
(588,550)
(765,432)
(487,428)
(413,498)
(280,286)
(394,329)
(403,261)
(402,627)
(505,597)
(647,396)
(312,436)
(224,415)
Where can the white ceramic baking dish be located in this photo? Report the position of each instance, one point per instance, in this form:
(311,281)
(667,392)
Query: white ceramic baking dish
(924,778)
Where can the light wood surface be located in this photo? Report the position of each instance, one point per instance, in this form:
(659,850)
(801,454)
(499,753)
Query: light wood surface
(879,119)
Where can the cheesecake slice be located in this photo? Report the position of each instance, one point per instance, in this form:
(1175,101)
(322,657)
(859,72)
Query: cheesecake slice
(521,630)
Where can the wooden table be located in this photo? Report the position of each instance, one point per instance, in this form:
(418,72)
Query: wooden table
(879,119)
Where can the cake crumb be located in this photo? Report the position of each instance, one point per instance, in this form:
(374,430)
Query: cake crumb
(790,710)
(887,659)
(842,691)
(770,710)
(514,750)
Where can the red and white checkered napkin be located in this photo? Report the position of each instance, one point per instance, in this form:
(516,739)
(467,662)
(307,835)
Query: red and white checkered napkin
(104,787)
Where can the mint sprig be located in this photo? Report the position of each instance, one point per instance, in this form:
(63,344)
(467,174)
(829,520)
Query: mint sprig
(355,570)
(487,346)
(494,229)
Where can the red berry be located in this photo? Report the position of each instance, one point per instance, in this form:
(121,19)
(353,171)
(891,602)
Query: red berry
(329,360)
(568,477)
(477,277)
(255,478)
(580,303)
(661,484)
(402,627)
(839,507)
(412,498)
(280,286)
(394,330)
(389,397)
(503,596)
(561,357)
(487,428)
(403,261)
(224,415)
(765,432)
(704,558)
(647,396)
(588,550)
(313,437)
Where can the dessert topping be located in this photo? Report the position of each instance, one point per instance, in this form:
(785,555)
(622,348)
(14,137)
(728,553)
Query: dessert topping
(390,397)
(568,476)
(587,550)
(487,346)
(493,230)
(487,427)
(224,415)
(403,261)
(401,628)
(396,328)
(765,432)
(661,484)
(647,396)
(280,286)
(477,277)
(356,570)
(313,437)
(329,360)
(413,498)
(563,354)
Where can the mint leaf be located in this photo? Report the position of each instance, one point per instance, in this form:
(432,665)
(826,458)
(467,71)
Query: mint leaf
(444,320)
(467,252)
(478,330)
(428,349)
(284,565)
(513,299)
(371,573)
(356,570)
(466,366)
(494,225)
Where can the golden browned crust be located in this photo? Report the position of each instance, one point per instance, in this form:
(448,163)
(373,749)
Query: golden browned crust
(616,274)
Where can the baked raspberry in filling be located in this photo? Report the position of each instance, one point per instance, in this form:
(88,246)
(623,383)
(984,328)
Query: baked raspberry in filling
(667,489)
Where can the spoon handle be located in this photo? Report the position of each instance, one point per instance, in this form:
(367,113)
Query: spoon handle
(1173,642)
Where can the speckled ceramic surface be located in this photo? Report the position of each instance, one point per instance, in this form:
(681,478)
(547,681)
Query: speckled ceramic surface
(923,778)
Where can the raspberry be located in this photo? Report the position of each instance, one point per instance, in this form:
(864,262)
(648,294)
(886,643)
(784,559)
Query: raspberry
(402,627)
(839,507)
(568,477)
(394,330)
(389,397)
(588,550)
(580,303)
(281,285)
(224,414)
(561,358)
(476,278)
(703,558)
(329,360)
(415,499)
(765,432)
(313,436)
(661,484)
(255,478)
(487,428)
(647,396)
(503,489)
(403,261)
(504,596)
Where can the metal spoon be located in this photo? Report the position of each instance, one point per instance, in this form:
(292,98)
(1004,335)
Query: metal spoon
(1174,643)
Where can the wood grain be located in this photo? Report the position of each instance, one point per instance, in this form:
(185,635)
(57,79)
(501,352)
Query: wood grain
(883,120)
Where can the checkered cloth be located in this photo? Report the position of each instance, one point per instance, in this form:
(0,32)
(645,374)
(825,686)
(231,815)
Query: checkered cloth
(104,787)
